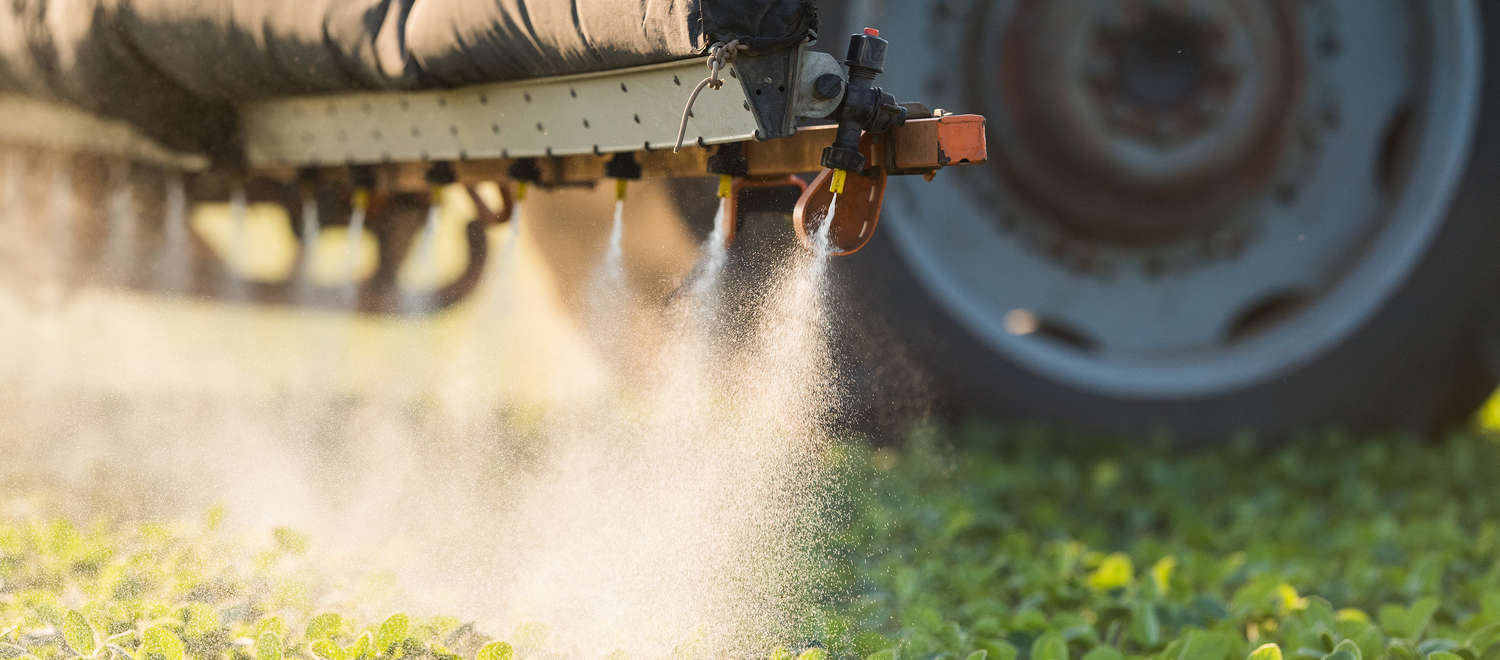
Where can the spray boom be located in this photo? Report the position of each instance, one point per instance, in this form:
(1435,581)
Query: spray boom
(793,111)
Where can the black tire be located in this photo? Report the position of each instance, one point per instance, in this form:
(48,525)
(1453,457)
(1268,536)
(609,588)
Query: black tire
(1425,359)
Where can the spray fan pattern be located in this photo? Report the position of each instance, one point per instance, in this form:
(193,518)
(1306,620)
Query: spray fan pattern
(655,481)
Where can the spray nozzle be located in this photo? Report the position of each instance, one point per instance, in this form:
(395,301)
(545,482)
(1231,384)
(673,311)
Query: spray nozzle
(439,176)
(525,172)
(622,168)
(728,162)
(364,182)
(307,181)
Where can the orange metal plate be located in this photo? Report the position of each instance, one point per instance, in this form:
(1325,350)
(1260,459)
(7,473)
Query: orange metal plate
(927,144)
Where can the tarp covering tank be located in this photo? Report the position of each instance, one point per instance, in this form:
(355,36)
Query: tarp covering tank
(176,68)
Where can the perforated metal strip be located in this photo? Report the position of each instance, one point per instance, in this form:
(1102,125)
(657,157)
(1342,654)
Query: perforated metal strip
(621,110)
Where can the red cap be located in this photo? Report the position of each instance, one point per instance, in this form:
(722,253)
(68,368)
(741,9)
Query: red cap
(872,32)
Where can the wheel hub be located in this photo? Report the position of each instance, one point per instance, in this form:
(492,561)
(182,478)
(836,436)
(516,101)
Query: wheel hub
(1144,119)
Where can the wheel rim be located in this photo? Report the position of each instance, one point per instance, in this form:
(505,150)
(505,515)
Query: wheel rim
(1313,215)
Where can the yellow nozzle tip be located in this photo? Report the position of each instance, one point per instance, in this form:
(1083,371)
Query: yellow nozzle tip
(836,183)
(521,191)
(361,198)
(726,185)
(620,187)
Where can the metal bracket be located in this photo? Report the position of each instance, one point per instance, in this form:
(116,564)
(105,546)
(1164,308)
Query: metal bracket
(769,82)
(780,88)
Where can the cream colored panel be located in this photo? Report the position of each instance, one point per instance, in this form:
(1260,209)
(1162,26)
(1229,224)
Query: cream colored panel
(622,110)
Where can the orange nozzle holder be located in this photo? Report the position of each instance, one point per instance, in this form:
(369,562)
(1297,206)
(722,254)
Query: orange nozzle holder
(732,200)
(859,196)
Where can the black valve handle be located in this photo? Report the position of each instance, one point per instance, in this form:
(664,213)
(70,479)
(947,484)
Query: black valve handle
(865,107)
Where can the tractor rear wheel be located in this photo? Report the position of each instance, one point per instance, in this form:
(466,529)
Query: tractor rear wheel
(1200,215)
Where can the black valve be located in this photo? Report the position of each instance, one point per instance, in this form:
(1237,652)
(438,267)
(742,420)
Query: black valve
(729,160)
(363,176)
(865,106)
(622,166)
(441,174)
(525,170)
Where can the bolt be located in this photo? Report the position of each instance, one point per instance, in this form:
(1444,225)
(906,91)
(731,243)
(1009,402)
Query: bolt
(828,86)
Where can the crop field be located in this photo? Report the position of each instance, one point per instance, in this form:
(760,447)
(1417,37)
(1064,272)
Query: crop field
(184,480)
(967,543)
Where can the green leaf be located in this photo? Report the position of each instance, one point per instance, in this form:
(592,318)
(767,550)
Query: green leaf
(79,634)
(1436,644)
(981,654)
(1407,622)
(1103,653)
(392,632)
(290,540)
(1401,652)
(268,646)
(1421,614)
(199,620)
(158,643)
(495,651)
(1265,652)
(327,649)
(813,654)
(363,647)
(1114,572)
(324,626)
(888,654)
(1444,655)
(1367,636)
(1161,574)
(1204,645)
(1485,637)
(1145,627)
(1346,650)
(214,517)
(999,649)
(271,624)
(1050,646)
